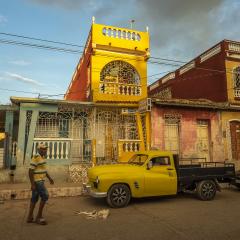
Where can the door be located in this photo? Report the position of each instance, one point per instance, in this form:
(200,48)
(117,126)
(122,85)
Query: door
(81,143)
(203,139)
(161,179)
(171,137)
(235,139)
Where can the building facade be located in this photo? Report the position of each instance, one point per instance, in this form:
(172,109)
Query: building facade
(8,135)
(215,76)
(113,71)
(99,121)
(190,129)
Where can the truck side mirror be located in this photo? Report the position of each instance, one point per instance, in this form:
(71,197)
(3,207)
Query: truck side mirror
(149,165)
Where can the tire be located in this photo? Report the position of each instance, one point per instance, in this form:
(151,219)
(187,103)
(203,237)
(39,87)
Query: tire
(206,190)
(118,196)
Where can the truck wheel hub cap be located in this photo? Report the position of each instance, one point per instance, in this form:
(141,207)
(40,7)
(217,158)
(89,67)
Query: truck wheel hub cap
(208,189)
(119,195)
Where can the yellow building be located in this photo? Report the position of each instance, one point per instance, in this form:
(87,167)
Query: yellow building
(113,71)
(231,118)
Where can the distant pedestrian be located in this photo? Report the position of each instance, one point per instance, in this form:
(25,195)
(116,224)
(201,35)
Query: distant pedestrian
(37,175)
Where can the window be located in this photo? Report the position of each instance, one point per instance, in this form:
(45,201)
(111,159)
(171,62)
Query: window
(236,77)
(138,159)
(160,161)
(119,72)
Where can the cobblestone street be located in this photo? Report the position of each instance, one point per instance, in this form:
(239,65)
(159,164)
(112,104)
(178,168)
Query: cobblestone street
(181,217)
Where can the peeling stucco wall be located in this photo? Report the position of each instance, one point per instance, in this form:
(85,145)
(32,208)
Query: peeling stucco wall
(188,142)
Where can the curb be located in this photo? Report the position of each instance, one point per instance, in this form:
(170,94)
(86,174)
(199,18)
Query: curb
(53,192)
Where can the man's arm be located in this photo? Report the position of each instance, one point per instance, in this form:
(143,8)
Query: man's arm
(49,178)
(30,174)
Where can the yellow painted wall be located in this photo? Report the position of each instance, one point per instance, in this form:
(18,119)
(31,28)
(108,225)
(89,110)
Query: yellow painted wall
(99,38)
(99,61)
(230,65)
(225,118)
(112,48)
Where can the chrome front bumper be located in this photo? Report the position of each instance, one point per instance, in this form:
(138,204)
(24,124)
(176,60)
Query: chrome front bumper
(93,193)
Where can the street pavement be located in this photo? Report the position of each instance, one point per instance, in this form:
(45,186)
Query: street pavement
(180,217)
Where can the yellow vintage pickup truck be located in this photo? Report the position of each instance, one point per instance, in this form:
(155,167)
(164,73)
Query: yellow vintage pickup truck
(157,173)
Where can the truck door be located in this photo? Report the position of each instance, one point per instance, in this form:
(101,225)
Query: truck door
(161,178)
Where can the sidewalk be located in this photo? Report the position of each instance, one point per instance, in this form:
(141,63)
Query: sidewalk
(22,190)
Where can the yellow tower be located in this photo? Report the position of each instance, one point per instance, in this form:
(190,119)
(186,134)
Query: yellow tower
(122,55)
(113,67)
(113,71)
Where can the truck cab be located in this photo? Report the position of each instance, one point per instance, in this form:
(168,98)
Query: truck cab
(149,173)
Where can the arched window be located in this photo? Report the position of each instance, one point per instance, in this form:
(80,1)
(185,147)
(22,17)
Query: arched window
(236,77)
(119,72)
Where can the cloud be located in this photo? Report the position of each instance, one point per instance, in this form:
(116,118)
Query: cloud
(20,62)
(66,4)
(19,78)
(3,19)
(178,29)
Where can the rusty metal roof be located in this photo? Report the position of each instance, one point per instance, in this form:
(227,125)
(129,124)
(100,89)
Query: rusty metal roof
(196,103)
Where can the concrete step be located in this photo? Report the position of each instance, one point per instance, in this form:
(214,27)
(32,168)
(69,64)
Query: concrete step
(22,191)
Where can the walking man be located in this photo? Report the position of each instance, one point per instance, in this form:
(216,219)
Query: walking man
(37,175)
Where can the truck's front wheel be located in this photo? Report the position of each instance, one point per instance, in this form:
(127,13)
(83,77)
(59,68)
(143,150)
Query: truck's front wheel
(206,190)
(118,196)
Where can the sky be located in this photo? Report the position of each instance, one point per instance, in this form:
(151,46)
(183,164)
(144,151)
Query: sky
(179,30)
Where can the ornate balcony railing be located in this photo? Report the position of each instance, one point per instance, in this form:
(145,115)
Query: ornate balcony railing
(235,47)
(57,148)
(237,92)
(127,148)
(121,34)
(131,146)
(120,89)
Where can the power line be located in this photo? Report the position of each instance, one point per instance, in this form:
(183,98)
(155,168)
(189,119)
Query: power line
(73,51)
(13,90)
(166,59)
(42,40)
(7,41)
(72,92)
(72,44)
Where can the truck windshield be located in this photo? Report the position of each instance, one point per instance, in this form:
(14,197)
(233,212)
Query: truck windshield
(138,159)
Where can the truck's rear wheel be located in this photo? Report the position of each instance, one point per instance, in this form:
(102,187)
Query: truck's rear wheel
(206,190)
(118,196)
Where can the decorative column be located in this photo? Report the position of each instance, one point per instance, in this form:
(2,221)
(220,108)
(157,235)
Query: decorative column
(148,130)
(21,136)
(140,131)
(31,136)
(9,131)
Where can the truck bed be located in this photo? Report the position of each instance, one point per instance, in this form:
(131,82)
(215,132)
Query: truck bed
(206,170)
(192,171)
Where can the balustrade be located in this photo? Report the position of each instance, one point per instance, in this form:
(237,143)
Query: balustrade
(130,145)
(237,93)
(121,34)
(57,148)
(235,47)
(120,89)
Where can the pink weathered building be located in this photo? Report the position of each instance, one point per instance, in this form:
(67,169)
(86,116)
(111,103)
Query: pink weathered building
(190,128)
